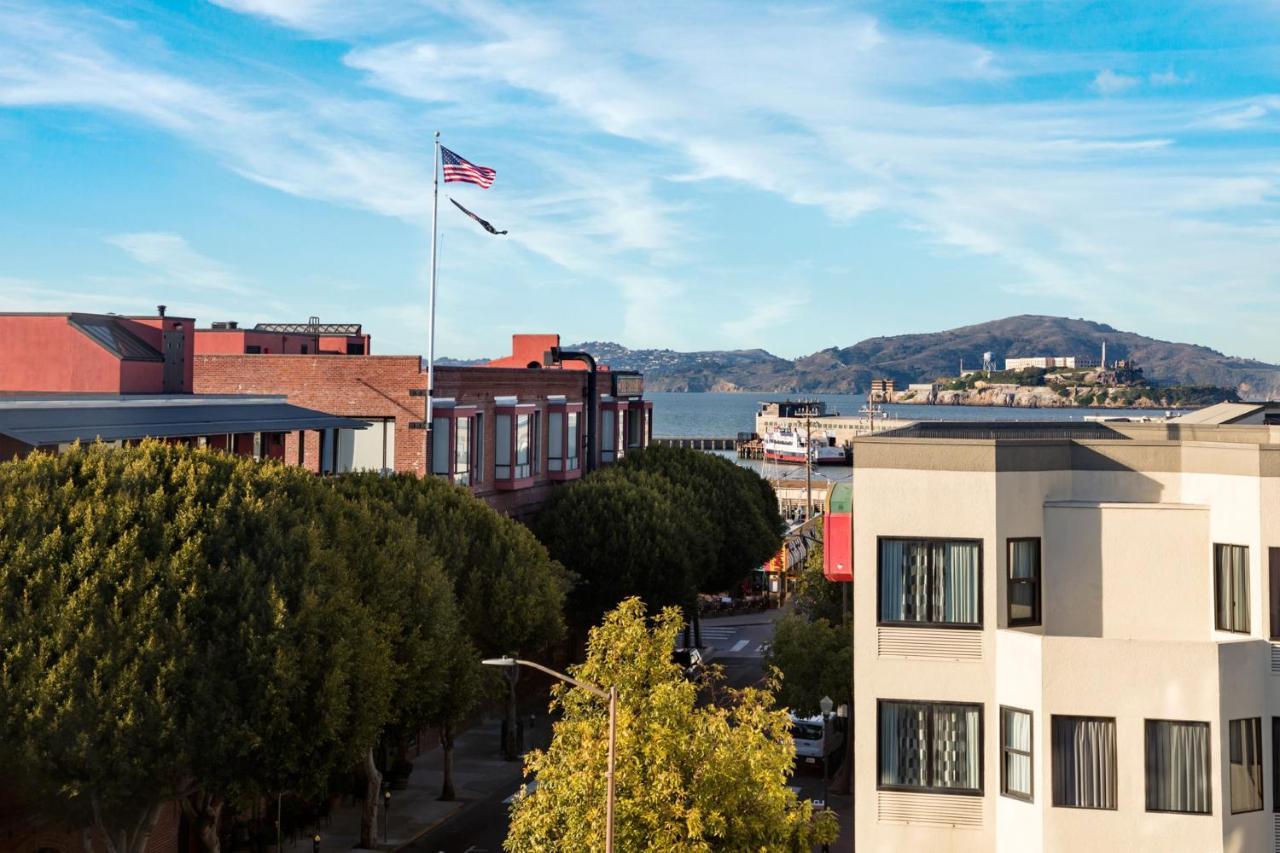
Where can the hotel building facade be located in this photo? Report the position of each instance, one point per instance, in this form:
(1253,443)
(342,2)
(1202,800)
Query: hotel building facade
(1063,637)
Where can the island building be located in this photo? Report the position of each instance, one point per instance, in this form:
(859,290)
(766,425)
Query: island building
(881,391)
(1067,636)
(510,430)
(72,376)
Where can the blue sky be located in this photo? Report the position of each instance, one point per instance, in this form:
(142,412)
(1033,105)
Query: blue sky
(687,175)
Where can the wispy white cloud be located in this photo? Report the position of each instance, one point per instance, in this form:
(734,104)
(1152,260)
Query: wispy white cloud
(171,256)
(613,117)
(1108,82)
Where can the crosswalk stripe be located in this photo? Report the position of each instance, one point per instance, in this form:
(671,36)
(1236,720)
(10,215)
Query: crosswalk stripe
(739,646)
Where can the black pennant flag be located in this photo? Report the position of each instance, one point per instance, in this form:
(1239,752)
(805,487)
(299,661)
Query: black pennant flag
(483,224)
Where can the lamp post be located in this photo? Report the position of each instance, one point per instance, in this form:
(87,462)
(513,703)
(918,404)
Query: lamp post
(826,705)
(386,814)
(612,697)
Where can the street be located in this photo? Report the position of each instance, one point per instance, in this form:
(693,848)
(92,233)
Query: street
(738,645)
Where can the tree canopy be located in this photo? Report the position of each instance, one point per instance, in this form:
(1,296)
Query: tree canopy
(622,533)
(175,620)
(740,507)
(689,776)
(815,660)
(815,596)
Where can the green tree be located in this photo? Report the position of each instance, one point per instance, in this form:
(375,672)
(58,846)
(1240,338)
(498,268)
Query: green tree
(815,596)
(815,660)
(623,533)
(510,593)
(740,506)
(176,623)
(689,776)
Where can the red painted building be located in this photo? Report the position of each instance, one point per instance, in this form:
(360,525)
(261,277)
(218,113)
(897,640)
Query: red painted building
(227,338)
(84,377)
(509,433)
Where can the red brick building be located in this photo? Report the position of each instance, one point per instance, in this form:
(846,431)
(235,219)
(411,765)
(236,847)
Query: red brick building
(84,377)
(227,338)
(508,432)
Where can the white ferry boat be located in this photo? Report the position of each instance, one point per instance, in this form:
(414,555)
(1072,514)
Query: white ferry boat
(789,445)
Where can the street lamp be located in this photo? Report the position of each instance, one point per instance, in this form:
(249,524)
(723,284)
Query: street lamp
(386,814)
(825,704)
(612,696)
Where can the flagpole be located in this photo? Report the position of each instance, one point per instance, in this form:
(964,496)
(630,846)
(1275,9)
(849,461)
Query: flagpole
(431,308)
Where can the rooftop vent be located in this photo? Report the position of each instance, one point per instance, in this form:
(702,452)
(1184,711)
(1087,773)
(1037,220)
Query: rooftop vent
(225,325)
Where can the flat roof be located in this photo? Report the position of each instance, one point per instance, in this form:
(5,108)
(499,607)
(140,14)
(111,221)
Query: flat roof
(55,419)
(1003,430)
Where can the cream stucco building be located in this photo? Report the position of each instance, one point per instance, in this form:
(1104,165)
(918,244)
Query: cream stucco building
(1062,638)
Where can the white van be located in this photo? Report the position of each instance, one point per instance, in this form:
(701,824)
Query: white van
(817,739)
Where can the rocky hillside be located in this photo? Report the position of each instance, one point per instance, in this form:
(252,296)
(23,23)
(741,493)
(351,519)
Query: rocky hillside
(925,356)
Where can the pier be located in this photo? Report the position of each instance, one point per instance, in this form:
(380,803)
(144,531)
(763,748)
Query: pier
(746,445)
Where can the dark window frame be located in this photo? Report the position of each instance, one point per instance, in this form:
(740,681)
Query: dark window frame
(1262,788)
(1217,590)
(1275,765)
(1037,584)
(963,626)
(1146,748)
(1115,762)
(928,789)
(1273,573)
(1030,796)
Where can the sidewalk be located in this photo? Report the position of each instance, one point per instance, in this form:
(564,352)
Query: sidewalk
(478,772)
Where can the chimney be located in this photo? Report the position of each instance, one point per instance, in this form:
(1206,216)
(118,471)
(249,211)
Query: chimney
(160,310)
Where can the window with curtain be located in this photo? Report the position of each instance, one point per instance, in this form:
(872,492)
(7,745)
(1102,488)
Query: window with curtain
(1245,738)
(930,746)
(930,582)
(1275,763)
(1178,767)
(1084,762)
(1023,581)
(1231,588)
(1015,753)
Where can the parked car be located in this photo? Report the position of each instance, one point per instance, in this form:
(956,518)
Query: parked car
(818,740)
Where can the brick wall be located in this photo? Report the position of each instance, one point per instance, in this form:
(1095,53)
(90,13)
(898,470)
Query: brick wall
(379,386)
(355,386)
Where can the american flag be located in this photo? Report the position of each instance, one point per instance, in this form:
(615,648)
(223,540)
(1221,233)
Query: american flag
(457,169)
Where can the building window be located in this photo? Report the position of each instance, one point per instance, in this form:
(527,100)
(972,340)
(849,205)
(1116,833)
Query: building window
(608,435)
(1231,588)
(1178,767)
(555,441)
(1246,764)
(931,583)
(535,442)
(477,453)
(1015,753)
(1024,582)
(462,452)
(1084,762)
(1273,569)
(523,446)
(252,349)
(571,460)
(440,445)
(1275,763)
(930,746)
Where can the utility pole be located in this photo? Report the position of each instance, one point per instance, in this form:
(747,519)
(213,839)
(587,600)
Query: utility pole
(808,468)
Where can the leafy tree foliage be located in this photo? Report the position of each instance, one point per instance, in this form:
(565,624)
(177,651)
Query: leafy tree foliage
(510,593)
(176,621)
(744,527)
(625,532)
(815,596)
(690,777)
(815,660)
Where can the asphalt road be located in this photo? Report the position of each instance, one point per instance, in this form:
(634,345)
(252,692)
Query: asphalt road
(736,643)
